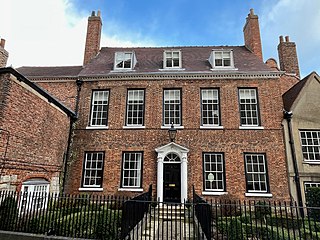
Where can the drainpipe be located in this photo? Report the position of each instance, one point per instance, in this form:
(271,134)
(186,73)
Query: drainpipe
(288,116)
(72,121)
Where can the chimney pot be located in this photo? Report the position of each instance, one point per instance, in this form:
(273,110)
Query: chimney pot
(287,39)
(281,39)
(2,43)
(251,11)
(93,13)
(99,13)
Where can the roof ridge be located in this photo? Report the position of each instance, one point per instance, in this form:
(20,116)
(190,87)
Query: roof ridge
(158,47)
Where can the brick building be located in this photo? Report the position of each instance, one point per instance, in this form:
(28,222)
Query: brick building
(224,103)
(34,133)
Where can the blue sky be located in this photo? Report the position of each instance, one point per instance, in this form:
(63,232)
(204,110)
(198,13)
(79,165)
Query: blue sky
(52,32)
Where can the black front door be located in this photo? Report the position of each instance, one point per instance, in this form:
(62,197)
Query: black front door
(172,182)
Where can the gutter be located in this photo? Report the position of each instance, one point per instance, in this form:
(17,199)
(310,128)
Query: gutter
(288,116)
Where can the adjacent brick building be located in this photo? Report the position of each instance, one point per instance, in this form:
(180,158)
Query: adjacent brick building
(224,103)
(34,130)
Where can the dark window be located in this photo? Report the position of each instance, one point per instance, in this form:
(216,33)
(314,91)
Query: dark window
(99,108)
(214,175)
(172,107)
(93,169)
(256,173)
(249,109)
(172,59)
(135,108)
(132,169)
(210,107)
(310,143)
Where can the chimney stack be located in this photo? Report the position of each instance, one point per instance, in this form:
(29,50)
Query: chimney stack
(251,33)
(93,37)
(3,54)
(288,58)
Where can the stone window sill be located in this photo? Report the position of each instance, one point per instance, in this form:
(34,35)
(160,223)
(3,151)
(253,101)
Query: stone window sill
(88,189)
(206,193)
(258,194)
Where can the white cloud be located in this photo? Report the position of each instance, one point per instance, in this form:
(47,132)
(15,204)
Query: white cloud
(48,33)
(299,19)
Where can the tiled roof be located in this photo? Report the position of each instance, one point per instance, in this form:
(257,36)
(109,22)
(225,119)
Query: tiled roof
(194,59)
(291,95)
(65,71)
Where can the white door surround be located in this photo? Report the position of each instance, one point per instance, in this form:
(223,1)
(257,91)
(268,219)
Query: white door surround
(182,152)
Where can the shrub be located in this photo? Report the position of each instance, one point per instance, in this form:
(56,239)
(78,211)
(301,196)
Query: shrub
(312,197)
(262,209)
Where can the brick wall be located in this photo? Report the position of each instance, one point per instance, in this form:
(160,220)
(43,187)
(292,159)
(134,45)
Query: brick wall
(38,133)
(65,92)
(232,141)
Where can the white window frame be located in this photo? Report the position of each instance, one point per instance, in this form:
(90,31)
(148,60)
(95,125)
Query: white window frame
(131,170)
(99,109)
(216,172)
(135,107)
(213,57)
(93,169)
(172,104)
(310,145)
(124,57)
(210,101)
(166,56)
(311,184)
(247,105)
(255,171)
(34,195)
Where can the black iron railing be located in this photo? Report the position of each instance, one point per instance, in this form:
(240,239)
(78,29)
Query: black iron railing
(134,211)
(107,217)
(203,213)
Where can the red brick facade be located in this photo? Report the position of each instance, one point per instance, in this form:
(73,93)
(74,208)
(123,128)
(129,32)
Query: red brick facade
(230,140)
(33,134)
(233,140)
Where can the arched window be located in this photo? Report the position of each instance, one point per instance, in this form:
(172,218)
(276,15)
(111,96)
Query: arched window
(172,157)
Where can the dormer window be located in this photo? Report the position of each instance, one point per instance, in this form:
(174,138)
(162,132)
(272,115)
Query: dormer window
(172,59)
(124,60)
(221,59)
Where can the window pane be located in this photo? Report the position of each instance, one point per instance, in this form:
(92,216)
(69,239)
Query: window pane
(93,169)
(213,165)
(310,145)
(135,107)
(172,107)
(131,169)
(99,108)
(248,105)
(210,107)
(256,174)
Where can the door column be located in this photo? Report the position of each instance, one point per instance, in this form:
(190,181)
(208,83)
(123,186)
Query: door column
(160,179)
(184,178)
